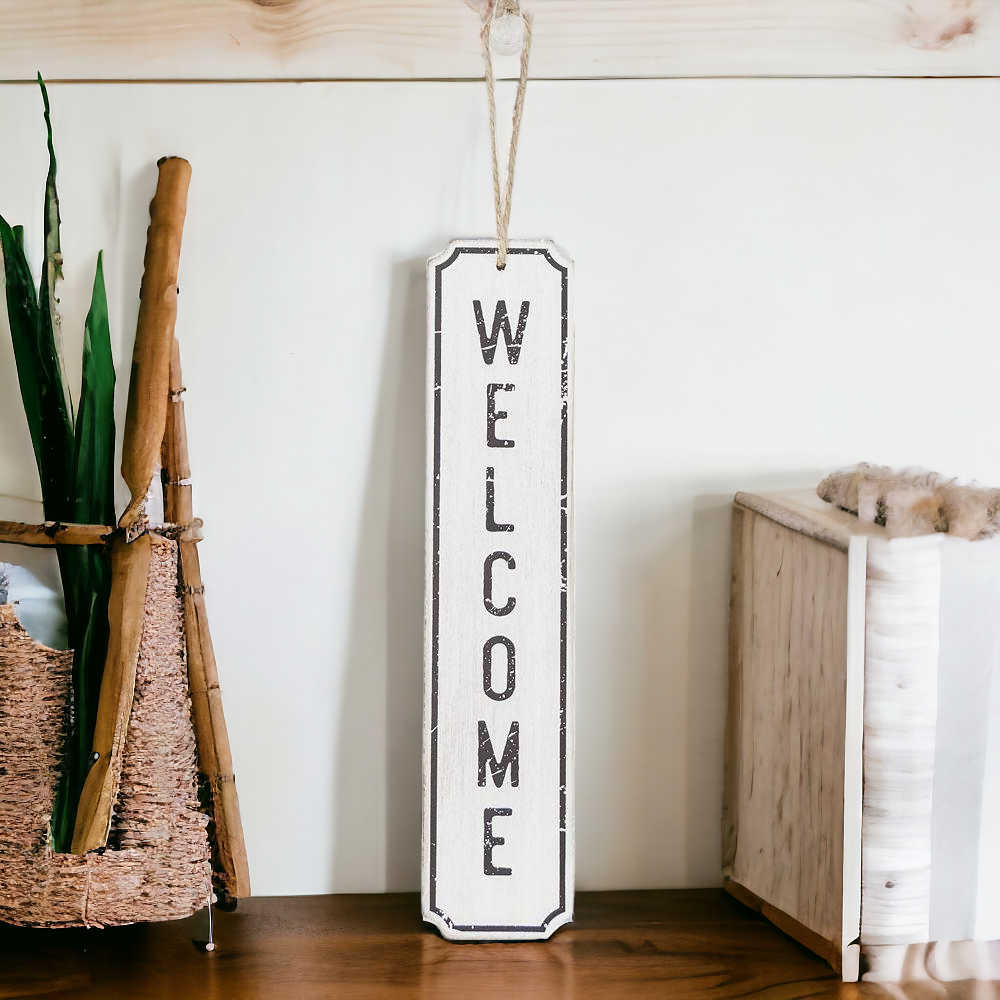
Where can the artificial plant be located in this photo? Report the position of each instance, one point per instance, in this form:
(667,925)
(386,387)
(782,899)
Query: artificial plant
(74,452)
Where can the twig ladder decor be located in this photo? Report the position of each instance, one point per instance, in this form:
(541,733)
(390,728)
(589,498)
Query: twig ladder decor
(158,821)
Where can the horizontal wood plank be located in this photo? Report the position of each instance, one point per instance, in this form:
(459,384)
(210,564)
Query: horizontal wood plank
(439,39)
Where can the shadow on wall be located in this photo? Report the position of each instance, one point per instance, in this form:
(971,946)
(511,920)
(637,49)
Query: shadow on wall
(381,713)
(708,658)
(653,682)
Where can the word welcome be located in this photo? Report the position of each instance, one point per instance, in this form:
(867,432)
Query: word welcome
(498,647)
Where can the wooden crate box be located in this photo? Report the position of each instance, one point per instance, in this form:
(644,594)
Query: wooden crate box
(862,787)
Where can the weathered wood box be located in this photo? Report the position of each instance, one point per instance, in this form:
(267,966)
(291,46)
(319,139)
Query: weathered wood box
(862,797)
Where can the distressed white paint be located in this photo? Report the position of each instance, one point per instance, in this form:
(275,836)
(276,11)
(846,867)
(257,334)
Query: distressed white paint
(498,686)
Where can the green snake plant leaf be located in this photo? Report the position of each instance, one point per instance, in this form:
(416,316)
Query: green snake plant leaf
(48,302)
(22,313)
(95,418)
(40,378)
(85,569)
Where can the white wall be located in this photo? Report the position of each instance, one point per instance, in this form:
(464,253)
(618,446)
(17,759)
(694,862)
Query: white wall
(773,278)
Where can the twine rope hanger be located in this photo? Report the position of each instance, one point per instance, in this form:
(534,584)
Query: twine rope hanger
(505,8)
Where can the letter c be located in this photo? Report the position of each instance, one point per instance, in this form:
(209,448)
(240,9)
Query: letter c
(488,583)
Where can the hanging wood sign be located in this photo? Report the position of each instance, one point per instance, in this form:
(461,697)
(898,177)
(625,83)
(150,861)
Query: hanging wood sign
(498,704)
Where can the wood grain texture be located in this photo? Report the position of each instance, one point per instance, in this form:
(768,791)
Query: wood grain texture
(53,533)
(654,945)
(145,420)
(439,39)
(229,855)
(789,772)
(126,614)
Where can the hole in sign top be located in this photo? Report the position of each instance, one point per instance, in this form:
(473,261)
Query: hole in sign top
(498,713)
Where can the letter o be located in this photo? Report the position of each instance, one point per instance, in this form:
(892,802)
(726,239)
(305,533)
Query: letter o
(488,646)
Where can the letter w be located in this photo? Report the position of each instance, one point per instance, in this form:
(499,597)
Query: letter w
(488,757)
(501,321)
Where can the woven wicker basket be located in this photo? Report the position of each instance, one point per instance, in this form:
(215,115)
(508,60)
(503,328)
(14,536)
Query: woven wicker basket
(157,863)
(147,845)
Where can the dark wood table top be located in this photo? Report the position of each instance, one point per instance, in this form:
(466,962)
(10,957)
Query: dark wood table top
(635,945)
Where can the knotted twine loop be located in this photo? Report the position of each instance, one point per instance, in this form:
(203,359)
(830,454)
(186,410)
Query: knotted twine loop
(502,206)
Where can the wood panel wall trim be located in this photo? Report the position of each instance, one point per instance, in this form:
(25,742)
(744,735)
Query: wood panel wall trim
(217,40)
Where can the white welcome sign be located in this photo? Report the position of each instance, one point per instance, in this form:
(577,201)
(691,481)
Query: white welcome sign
(498,702)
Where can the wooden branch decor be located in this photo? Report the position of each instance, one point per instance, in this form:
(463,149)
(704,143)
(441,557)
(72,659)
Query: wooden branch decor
(53,533)
(147,398)
(126,609)
(229,857)
(156,414)
(144,427)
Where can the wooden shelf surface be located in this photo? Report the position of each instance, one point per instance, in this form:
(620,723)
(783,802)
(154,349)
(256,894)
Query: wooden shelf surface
(637,945)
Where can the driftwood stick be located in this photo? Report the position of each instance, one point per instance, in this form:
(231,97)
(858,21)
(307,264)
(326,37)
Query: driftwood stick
(229,858)
(53,533)
(154,335)
(126,613)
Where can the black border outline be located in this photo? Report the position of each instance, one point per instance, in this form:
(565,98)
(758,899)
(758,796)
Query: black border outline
(564,595)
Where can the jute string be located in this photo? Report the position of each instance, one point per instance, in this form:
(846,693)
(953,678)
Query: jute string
(502,204)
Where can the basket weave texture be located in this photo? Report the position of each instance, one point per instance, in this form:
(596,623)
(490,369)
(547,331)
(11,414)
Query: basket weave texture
(157,862)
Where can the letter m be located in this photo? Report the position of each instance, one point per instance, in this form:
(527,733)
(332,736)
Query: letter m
(487,756)
(501,322)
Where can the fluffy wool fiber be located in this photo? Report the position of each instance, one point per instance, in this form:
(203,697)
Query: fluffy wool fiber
(914,501)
